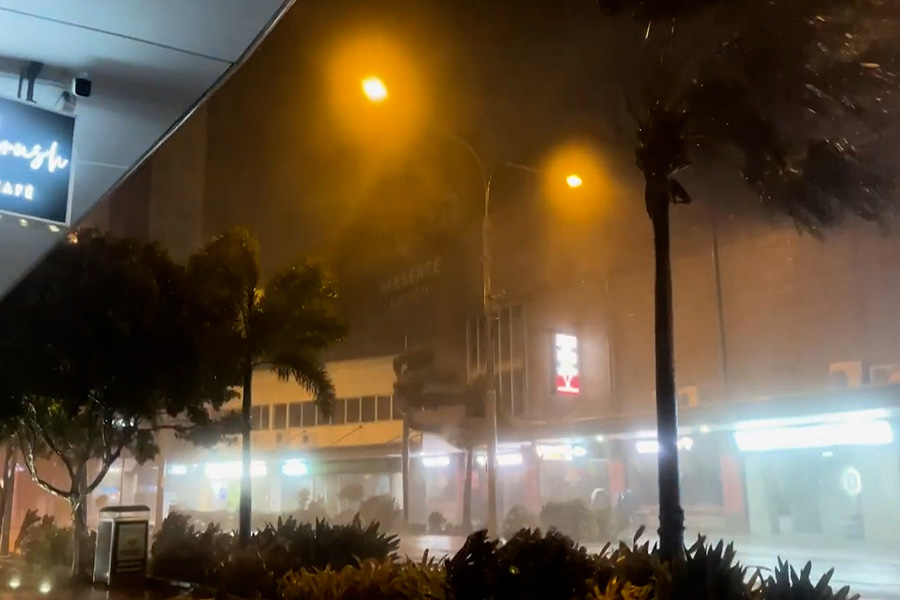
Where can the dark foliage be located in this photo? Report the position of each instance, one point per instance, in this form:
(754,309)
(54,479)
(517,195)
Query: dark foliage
(472,571)
(44,543)
(210,557)
(527,559)
(103,344)
(518,518)
(707,572)
(572,518)
(786,584)
(437,523)
(382,511)
(521,568)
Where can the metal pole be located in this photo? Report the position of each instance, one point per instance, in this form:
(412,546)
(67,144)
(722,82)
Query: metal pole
(720,311)
(491,392)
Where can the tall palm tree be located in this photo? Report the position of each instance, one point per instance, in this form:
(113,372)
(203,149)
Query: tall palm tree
(784,87)
(282,327)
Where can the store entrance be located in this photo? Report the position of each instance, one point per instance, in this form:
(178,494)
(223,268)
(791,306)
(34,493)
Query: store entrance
(813,493)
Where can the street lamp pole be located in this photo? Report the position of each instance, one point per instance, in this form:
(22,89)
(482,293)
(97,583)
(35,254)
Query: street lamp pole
(489,312)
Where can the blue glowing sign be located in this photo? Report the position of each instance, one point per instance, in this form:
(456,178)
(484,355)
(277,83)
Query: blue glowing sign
(35,161)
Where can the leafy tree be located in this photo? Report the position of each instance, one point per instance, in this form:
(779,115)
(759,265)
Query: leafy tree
(801,89)
(102,344)
(423,383)
(283,327)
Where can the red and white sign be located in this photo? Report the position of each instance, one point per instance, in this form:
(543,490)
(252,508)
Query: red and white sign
(567,380)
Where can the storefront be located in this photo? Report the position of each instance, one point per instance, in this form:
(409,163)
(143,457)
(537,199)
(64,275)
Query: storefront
(834,477)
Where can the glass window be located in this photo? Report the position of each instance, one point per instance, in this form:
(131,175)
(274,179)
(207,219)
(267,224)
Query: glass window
(368,409)
(383,408)
(339,412)
(295,414)
(353,410)
(310,412)
(279,416)
(259,417)
(395,410)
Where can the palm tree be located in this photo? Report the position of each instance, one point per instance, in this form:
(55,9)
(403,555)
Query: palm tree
(782,85)
(282,327)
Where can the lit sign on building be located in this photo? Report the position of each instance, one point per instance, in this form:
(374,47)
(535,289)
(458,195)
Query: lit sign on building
(35,161)
(567,379)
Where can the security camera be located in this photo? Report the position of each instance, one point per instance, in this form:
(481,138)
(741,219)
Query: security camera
(81,86)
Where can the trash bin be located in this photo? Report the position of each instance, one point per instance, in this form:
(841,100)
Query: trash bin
(120,557)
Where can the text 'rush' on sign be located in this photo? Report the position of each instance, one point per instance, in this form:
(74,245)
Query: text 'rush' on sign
(35,161)
(566,380)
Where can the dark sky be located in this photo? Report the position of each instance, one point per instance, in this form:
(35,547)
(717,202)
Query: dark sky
(516,78)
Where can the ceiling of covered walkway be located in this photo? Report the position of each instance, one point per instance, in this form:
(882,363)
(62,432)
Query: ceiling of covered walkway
(150,63)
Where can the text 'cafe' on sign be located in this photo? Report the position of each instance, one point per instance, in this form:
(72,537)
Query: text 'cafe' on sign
(35,161)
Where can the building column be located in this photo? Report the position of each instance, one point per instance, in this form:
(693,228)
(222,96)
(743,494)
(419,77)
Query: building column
(880,492)
(758,517)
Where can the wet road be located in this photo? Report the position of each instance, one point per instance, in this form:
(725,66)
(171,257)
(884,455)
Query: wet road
(874,573)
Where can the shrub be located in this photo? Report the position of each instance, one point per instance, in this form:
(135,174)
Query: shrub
(352,493)
(528,559)
(314,511)
(291,545)
(210,557)
(529,566)
(519,518)
(706,572)
(785,584)
(373,580)
(571,518)
(182,552)
(436,523)
(42,542)
(471,572)
(382,510)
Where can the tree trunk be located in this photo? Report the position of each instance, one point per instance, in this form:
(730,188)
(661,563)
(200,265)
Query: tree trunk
(404,470)
(78,502)
(6,503)
(246,506)
(467,493)
(671,516)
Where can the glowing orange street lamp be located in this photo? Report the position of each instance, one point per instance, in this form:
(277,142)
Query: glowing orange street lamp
(573,181)
(374,89)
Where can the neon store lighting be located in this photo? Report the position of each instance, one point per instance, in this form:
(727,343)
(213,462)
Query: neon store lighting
(852,432)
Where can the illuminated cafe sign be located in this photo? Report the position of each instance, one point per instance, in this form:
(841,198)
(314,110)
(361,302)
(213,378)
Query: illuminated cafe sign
(567,378)
(35,161)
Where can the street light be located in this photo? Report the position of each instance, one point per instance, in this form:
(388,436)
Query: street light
(573,181)
(376,91)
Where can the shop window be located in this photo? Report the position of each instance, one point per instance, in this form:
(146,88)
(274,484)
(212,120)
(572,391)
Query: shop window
(295,414)
(353,410)
(279,416)
(383,408)
(310,413)
(367,409)
(339,412)
(259,417)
